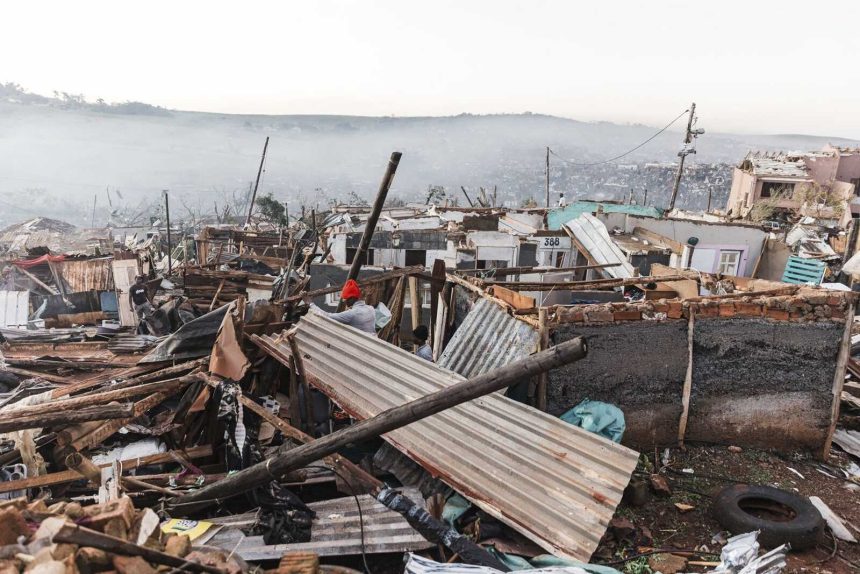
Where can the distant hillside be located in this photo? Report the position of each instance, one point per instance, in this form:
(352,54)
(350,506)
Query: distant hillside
(58,154)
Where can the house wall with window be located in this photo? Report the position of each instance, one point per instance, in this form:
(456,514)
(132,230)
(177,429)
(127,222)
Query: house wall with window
(720,245)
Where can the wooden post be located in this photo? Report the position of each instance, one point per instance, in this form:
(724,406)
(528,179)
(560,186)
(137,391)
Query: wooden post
(543,344)
(384,186)
(688,382)
(16,422)
(387,421)
(257,183)
(415,305)
(839,377)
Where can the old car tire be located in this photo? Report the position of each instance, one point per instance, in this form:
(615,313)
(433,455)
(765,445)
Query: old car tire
(781,517)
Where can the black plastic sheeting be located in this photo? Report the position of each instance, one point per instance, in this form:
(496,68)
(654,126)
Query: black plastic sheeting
(437,531)
(192,340)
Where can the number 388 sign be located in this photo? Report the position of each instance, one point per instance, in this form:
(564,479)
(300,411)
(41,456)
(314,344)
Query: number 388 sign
(553,243)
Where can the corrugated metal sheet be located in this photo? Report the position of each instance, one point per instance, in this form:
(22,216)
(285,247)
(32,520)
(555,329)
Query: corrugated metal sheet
(554,482)
(591,234)
(14,309)
(487,339)
(88,274)
(335,531)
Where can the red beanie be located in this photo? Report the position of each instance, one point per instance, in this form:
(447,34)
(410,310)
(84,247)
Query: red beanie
(350,290)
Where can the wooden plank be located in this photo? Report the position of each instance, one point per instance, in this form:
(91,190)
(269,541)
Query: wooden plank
(839,379)
(67,476)
(688,382)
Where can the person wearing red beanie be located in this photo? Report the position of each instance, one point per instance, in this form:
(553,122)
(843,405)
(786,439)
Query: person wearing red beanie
(358,313)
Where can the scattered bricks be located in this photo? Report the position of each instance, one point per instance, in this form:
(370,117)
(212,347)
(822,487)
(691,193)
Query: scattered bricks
(116,527)
(120,508)
(12,525)
(622,529)
(600,317)
(661,308)
(748,309)
(91,560)
(676,310)
(576,316)
(667,563)
(797,315)
(178,545)
(734,449)
(837,313)
(74,510)
(132,565)
(708,311)
(727,309)
(777,314)
(660,485)
(629,315)
(835,300)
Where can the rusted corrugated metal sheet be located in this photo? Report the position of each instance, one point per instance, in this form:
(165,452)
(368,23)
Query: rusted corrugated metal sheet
(88,274)
(487,339)
(14,309)
(556,483)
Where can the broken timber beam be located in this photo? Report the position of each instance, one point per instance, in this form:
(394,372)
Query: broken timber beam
(19,420)
(66,476)
(387,421)
(381,278)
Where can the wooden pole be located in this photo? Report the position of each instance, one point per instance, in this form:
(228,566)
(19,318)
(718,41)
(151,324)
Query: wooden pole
(384,186)
(547,176)
(387,421)
(683,154)
(257,182)
(14,422)
(169,247)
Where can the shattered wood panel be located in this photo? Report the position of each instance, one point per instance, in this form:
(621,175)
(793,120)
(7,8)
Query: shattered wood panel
(14,309)
(89,274)
(487,339)
(336,531)
(553,482)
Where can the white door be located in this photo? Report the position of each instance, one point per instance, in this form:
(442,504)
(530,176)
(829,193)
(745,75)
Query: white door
(124,272)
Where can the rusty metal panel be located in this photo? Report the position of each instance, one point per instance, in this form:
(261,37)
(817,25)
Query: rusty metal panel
(555,483)
(88,274)
(487,339)
(14,309)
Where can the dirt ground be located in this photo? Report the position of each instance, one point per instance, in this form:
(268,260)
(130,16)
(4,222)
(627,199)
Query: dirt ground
(714,468)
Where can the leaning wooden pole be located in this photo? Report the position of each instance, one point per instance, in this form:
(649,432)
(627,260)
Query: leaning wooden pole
(384,186)
(387,421)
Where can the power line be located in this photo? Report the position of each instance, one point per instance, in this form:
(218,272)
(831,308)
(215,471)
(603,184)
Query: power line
(628,152)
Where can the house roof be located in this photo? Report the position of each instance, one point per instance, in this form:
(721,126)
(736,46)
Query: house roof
(776,164)
(557,217)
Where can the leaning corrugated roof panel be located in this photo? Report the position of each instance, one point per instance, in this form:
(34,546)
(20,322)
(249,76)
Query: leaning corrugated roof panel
(488,338)
(590,233)
(553,482)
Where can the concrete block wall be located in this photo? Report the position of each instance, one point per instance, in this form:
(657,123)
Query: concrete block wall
(761,369)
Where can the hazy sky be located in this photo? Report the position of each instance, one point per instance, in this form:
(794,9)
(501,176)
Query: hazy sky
(751,66)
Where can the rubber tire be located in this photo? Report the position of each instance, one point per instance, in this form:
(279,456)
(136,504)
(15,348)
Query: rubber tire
(803,531)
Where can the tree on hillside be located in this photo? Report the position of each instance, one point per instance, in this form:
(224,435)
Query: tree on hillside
(272,210)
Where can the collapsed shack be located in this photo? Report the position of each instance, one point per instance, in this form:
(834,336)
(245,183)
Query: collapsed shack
(761,366)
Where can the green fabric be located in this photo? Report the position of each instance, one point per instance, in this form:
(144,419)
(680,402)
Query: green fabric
(455,507)
(597,417)
(515,562)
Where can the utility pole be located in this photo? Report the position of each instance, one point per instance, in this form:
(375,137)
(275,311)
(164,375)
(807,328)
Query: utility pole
(257,183)
(169,247)
(688,139)
(630,199)
(645,198)
(547,176)
(710,192)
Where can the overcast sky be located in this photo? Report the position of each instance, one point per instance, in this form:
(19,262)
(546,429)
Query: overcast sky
(751,66)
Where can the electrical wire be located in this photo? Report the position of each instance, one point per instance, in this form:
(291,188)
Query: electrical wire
(628,152)
(357,504)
